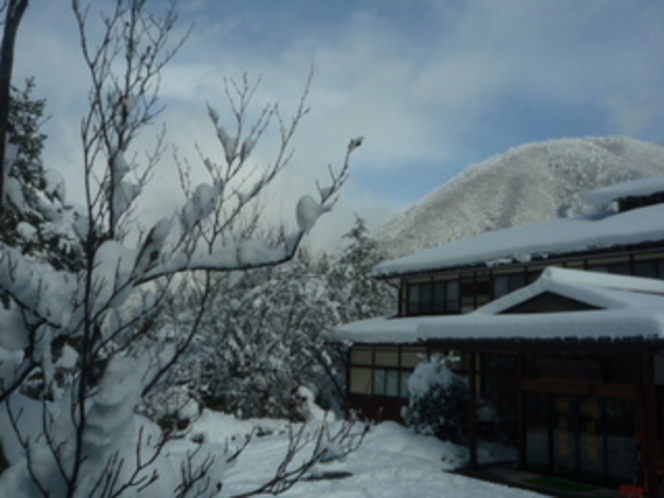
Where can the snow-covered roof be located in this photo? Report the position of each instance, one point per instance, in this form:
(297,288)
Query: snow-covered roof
(600,290)
(644,323)
(636,188)
(540,240)
(630,307)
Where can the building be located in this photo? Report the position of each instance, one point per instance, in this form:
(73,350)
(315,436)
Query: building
(559,326)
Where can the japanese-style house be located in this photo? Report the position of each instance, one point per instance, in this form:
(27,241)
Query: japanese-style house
(559,327)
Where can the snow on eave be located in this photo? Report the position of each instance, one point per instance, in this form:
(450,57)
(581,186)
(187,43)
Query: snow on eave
(384,329)
(636,188)
(630,308)
(608,324)
(642,323)
(600,290)
(536,241)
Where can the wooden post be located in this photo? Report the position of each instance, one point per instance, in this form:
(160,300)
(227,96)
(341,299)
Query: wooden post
(520,412)
(472,411)
(648,401)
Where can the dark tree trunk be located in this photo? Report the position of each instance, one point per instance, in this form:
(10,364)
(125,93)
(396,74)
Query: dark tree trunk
(15,10)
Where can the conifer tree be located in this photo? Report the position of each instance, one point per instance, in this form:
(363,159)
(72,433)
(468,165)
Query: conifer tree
(36,218)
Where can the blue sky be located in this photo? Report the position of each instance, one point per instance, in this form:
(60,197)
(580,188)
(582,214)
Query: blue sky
(433,85)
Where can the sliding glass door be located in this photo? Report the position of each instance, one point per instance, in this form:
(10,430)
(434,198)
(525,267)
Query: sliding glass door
(590,438)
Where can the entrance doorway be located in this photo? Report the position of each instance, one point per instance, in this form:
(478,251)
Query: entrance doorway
(590,438)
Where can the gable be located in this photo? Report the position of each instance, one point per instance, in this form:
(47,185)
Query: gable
(548,302)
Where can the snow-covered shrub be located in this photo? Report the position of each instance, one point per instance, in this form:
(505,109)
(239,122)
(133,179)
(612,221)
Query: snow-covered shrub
(306,407)
(438,400)
(263,333)
(174,408)
(261,338)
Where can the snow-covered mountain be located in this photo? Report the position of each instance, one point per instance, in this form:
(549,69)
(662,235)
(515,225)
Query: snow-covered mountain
(527,184)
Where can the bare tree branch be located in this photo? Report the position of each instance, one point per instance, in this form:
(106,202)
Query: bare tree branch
(107,310)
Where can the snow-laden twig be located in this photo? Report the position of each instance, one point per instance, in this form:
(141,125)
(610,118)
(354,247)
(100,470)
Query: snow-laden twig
(106,309)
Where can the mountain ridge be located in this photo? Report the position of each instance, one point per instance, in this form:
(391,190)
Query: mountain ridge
(529,183)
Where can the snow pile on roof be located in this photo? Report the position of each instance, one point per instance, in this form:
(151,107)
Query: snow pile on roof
(631,307)
(636,188)
(541,240)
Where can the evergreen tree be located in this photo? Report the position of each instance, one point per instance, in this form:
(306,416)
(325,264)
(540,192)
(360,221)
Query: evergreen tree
(35,219)
(360,295)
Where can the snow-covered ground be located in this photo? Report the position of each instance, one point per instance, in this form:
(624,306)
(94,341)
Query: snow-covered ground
(392,462)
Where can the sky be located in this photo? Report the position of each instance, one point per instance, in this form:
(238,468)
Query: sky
(433,85)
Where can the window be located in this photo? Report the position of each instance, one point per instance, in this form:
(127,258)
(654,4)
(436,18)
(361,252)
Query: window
(360,380)
(378,381)
(360,356)
(391,383)
(387,356)
(649,269)
(475,290)
(383,370)
(434,297)
(414,291)
(504,284)
(618,266)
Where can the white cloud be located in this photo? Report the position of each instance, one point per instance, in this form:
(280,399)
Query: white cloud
(421,86)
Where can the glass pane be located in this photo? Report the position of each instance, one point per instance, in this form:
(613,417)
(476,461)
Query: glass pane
(392,383)
(412,357)
(645,269)
(564,433)
(452,298)
(620,430)
(537,430)
(517,281)
(533,275)
(452,289)
(361,356)
(591,432)
(482,286)
(360,380)
(403,389)
(620,268)
(426,298)
(413,299)
(499,393)
(379,381)
(387,357)
(500,285)
(438,297)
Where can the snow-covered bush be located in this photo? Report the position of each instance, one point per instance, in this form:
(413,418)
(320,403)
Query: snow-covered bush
(438,400)
(260,339)
(263,334)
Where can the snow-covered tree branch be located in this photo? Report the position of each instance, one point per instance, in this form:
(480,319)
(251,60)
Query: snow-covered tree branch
(82,343)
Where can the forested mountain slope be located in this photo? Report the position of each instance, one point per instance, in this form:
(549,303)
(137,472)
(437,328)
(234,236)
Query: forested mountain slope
(527,184)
